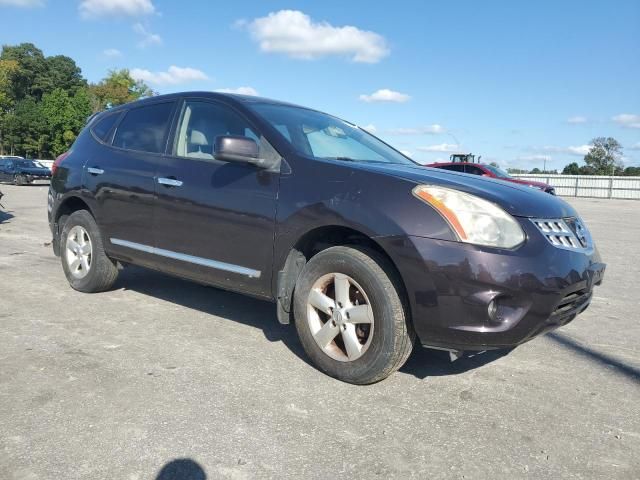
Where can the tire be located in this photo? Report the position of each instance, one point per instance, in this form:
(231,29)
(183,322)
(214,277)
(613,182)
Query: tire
(19,180)
(383,330)
(94,272)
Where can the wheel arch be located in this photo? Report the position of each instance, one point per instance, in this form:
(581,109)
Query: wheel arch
(70,204)
(311,243)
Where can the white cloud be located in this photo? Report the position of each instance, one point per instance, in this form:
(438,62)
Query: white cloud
(427,129)
(385,95)
(173,76)
(112,53)
(577,120)
(148,38)
(22,3)
(533,158)
(240,91)
(295,34)
(118,8)
(371,128)
(580,150)
(628,120)
(442,147)
(635,146)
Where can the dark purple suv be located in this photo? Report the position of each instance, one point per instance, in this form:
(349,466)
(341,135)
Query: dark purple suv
(366,251)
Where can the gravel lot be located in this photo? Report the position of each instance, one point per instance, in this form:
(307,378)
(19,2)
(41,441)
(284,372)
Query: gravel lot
(122,384)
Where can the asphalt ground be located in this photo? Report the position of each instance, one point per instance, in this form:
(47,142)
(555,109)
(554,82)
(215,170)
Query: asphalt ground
(162,378)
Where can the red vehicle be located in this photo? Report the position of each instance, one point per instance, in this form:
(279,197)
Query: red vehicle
(491,171)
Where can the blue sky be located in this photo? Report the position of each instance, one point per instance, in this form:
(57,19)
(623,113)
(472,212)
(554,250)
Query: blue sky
(516,82)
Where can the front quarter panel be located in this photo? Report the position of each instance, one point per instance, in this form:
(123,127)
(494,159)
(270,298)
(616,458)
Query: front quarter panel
(327,193)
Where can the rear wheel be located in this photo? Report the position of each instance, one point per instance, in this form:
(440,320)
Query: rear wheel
(85,264)
(19,179)
(350,315)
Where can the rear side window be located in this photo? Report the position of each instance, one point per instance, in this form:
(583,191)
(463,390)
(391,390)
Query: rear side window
(145,128)
(454,168)
(474,170)
(102,128)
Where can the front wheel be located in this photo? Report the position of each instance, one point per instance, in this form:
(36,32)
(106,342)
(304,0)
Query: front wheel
(85,264)
(19,179)
(350,315)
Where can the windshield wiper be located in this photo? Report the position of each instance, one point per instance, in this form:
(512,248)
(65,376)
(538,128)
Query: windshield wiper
(344,159)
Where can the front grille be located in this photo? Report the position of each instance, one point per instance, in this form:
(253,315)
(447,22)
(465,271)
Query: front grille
(571,305)
(569,233)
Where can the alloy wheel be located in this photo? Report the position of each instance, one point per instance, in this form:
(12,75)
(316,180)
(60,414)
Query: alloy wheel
(340,317)
(78,252)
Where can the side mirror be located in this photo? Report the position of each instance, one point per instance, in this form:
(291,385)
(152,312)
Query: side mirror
(238,149)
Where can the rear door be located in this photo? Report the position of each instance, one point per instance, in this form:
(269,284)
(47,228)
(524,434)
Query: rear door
(214,220)
(6,170)
(120,174)
(3,169)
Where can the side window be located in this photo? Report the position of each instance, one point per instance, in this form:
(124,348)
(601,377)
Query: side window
(455,168)
(474,170)
(145,128)
(202,122)
(102,128)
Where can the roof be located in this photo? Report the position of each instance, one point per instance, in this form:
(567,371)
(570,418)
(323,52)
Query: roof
(207,94)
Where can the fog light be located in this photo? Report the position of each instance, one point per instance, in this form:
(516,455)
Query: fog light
(492,310)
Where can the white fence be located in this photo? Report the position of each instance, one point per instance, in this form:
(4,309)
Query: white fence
(590,186)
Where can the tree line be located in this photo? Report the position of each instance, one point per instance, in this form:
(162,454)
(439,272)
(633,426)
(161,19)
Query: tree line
(45,101)
(603,158)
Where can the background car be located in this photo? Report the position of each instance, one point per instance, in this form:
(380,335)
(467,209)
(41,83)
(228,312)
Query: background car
(21,171)
(493,172)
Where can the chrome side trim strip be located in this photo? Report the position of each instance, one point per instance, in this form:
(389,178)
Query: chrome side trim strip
(205,262)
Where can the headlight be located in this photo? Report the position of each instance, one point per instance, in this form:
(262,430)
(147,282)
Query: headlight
(473,219)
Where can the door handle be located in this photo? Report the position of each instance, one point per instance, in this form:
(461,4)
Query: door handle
(95,171)
(169,182)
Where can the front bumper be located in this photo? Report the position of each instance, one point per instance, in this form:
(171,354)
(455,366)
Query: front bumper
(32,178)
(465,297)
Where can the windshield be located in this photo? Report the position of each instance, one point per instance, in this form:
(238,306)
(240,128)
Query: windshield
(27,164)
(322,136)
(497,171)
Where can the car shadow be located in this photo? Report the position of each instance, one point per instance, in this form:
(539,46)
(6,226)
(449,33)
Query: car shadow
(261,314)
(5,216)
(426,362)
(230,306)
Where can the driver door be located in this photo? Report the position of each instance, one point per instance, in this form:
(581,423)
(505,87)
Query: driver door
(214,221)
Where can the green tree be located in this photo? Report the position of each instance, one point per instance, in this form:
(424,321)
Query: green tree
(572,169)
(604,156)
(61,72)
(32,66)
(632,171)
(536,171)
(116,88)
(26,129)
(65,116)
(8,69)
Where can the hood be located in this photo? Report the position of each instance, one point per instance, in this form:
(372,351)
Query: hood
(520,201)
(522,181)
